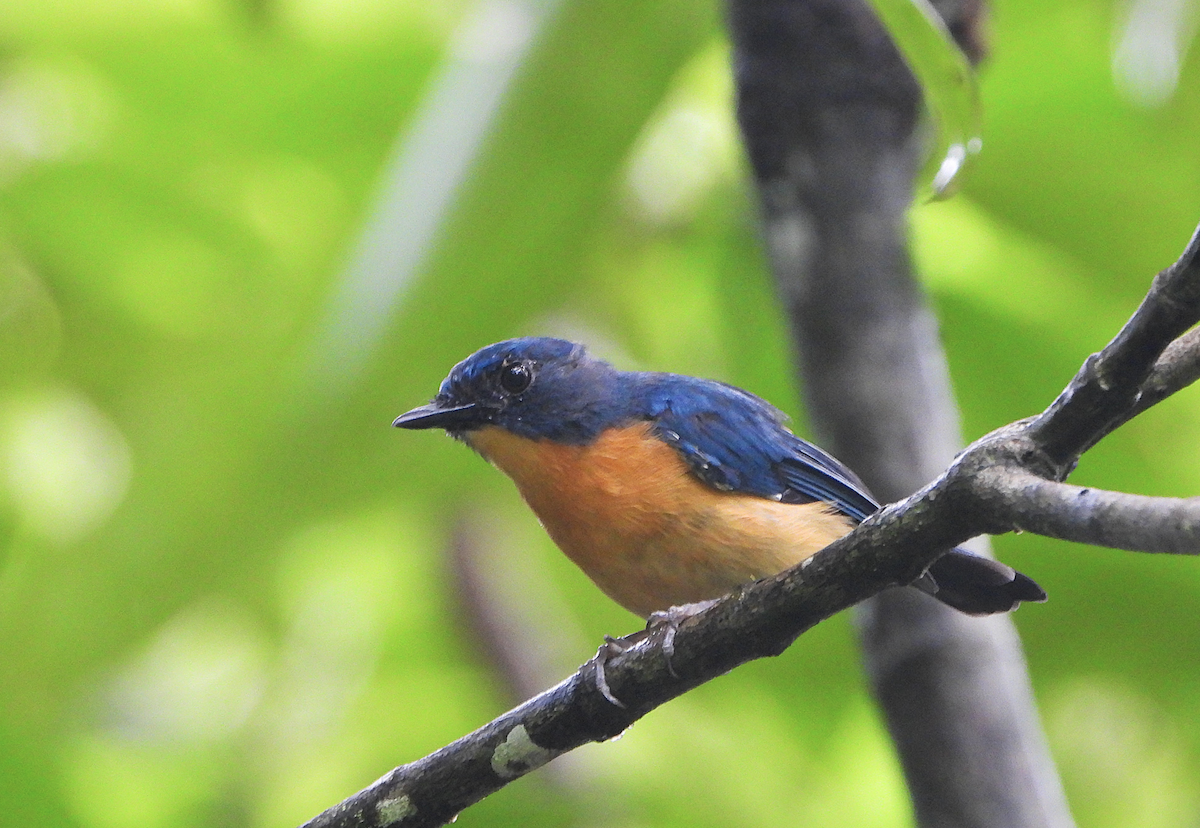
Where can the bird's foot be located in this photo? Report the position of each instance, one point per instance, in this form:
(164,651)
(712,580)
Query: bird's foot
(668,621)
(611,648)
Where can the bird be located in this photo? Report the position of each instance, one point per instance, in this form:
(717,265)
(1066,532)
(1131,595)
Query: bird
(670,490)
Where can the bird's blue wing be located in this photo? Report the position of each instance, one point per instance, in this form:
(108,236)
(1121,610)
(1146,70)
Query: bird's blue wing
(734,441)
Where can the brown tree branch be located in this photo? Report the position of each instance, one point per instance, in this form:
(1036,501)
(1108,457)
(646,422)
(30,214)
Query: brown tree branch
(1094,516)
(1108,386)
(1177,368)
(991,487)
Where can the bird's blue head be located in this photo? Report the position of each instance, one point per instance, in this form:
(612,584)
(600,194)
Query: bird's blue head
(536,387)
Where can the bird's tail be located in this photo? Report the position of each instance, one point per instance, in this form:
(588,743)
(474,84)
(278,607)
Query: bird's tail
(977,585)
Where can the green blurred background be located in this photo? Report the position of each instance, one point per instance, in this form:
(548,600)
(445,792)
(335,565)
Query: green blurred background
(226,596)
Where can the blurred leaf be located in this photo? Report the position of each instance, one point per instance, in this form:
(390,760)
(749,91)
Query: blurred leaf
(948,84)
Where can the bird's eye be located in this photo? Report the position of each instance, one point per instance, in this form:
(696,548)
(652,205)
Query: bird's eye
(515,377)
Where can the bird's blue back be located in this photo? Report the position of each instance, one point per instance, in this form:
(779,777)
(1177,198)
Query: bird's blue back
(735,441)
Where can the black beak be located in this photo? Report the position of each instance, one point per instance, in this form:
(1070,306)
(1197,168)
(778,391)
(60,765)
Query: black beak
(436,416)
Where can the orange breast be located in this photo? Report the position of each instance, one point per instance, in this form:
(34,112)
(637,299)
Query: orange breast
(626,509)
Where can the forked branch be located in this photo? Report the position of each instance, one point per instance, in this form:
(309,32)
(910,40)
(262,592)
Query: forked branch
(1009,479)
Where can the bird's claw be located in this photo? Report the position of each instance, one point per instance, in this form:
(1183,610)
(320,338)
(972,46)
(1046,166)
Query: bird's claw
(611,648)
(668,621)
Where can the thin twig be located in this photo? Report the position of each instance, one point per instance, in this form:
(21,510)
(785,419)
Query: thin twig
(1107,387)
(1095,516)
(1176,369)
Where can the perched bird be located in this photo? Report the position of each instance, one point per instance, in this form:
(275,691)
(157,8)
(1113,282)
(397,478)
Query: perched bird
(666,489)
